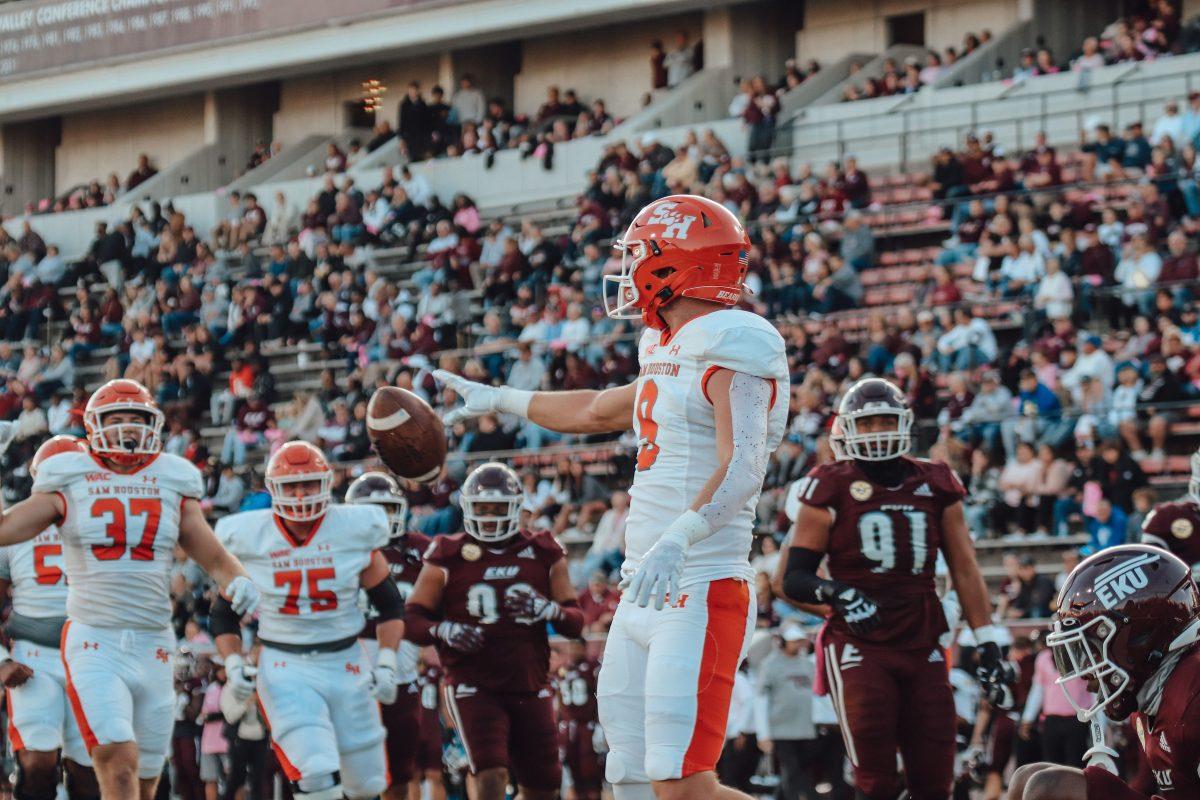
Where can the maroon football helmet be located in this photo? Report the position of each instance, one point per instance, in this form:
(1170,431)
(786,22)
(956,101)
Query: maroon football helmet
(491,484)
(380,489)
(1120,614)
(871,397)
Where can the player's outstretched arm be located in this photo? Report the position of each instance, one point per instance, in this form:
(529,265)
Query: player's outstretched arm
(777,578)
(585,411)
(197,539)
(741,405)
(30,517)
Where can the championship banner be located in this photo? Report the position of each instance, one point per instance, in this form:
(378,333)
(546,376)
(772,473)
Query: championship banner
(39,36)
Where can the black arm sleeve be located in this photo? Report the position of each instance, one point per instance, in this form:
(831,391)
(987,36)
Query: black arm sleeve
(385,598)
(800,581)
(223,619)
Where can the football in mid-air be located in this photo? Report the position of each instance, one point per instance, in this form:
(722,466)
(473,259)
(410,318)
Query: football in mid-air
(407,434)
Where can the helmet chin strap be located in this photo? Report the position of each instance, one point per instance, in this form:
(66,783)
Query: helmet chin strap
(885,473)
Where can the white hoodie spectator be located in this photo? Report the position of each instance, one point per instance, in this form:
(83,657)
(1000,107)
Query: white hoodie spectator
(1054,294)
(1170,125)
(1092,362)
(976,332)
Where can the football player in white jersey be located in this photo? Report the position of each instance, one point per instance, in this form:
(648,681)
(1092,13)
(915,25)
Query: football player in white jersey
(319,692)
(709,406)
(41,726)
(121,507)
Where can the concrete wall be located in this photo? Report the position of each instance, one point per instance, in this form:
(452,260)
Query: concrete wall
(26,163)
(95,143)
(611,62)
(833,28)
(316,103)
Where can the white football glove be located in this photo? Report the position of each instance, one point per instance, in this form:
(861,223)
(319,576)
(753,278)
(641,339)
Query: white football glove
(528,606)
(7,431)
(243,595)
(479,398)
(599,743)
(660,572)
(383,678)
(239,677)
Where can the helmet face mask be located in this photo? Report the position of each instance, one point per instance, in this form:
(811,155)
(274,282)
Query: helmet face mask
(491,499)
(300,482)
(123,424)
(1082,652)
(874,399)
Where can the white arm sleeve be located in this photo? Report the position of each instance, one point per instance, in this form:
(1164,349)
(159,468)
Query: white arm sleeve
(749,405)
(1033,705)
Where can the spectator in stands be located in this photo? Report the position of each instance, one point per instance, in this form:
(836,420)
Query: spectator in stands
(1091,57)
(681,61)
(598,602)
(1137,273)
(784,714)
(1144,500)
(1168,126)
(992,404)
(1031,596)
(1103,156)
(1039,417)
(415,123)
(468,104)
(141,173)
(1064,739)
(1107,527)
(1019,486)
(658,68)
(857,247)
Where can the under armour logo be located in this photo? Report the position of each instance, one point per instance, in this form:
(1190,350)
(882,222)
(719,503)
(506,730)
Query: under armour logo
(353,669)
(91,645)
(150,479)
(324,547)
(280,664)
(162,655)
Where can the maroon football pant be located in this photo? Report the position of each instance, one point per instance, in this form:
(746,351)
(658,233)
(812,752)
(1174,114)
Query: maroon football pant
(1000,743)
(893,700)
(508,729)
(575,739)
(429,748)
(401,721)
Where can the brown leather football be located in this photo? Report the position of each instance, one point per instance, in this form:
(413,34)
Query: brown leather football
(407,434)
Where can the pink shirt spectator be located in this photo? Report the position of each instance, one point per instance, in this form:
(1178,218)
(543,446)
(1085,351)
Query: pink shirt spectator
(212,739)
(1047,698)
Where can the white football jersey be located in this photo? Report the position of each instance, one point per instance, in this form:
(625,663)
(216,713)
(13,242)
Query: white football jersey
(676,429)
(35,570)
(119,535)
(310,590)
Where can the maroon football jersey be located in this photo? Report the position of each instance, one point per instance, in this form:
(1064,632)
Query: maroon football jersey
(404,561)
(884,542)
(515,657)
(1171,740)
(1177,526)
(576,686)
(429,681)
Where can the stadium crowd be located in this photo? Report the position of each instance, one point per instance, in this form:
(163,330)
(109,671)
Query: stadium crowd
(1055,349)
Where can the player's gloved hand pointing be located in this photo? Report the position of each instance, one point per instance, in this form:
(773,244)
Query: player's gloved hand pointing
(239,677)
(860,613)
(478,398)
(243,595)
(462,637)
(659,574)
(529,606)
(384,677)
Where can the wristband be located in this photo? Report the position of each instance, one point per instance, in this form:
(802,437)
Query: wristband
(687,529)
(387,658)
(514,401)
(987,634)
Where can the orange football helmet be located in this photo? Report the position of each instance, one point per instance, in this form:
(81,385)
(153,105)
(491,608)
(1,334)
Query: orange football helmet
(679,246)
(52,447)
(299,463)
(124,443)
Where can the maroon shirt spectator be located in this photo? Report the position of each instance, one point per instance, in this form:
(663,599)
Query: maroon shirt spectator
(1179,265)
(598,602)
(855,184)
(255,416)
(141,173)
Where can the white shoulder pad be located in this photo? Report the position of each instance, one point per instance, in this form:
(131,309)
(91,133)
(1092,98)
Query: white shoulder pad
(233,530)
(366,523)
(747,343)
(60,471)
(180,475)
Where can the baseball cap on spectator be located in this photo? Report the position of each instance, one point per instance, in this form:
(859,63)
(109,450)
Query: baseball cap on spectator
(1028,560)
(794,633)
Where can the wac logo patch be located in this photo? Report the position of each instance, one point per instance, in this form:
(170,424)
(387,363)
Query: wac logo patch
(1123,581)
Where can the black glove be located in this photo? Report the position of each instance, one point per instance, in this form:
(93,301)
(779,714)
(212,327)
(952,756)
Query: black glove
(860,613)
(462,637)
(996,675)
